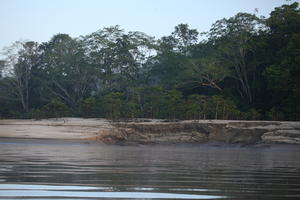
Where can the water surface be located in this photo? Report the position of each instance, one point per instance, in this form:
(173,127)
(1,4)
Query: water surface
(36,169)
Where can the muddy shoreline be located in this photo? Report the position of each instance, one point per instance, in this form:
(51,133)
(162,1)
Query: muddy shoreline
(145,132)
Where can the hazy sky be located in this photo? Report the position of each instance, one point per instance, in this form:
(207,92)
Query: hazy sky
(39,20)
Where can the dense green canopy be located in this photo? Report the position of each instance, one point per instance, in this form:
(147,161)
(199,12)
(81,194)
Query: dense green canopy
(246,67)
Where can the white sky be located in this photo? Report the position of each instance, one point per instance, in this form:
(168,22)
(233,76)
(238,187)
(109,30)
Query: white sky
(39,20)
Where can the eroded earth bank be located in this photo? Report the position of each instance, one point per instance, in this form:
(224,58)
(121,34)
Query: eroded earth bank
(154,131)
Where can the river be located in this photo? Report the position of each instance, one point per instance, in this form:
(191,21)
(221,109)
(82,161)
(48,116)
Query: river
(48,169)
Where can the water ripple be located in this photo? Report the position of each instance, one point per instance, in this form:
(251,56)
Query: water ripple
(33,191)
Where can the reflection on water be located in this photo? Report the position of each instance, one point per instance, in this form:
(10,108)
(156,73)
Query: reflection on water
(69,170)
(14,190)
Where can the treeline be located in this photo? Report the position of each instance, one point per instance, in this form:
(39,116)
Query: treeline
(246,67)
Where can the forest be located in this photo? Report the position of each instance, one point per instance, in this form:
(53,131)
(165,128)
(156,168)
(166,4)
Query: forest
(246,67)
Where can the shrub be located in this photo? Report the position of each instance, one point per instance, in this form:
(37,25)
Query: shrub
(36,114)
(90,107)
(56,108)
(112,104)
(252,114)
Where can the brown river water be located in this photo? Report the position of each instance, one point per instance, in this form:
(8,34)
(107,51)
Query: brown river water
(42,169)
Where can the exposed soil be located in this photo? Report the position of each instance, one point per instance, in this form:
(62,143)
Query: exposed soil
(154,131)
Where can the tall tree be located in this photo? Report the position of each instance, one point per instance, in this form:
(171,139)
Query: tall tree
(173,52)
(118,56)
(234,39)
(284,71)
(2,65)
(68,76)
(206,71)
(184,37)
(21,58)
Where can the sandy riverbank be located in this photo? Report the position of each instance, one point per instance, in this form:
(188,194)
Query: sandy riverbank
(154,131)
(62,128)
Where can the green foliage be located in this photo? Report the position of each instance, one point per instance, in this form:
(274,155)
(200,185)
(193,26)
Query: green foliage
(172,104)
(284,71)
(2,66)
(113,104)
(37,114)
(205,72)
(56,108)
(90,107)
(252,114)
(8,109)
(130,109)
(184,37)
(219,107)
(196,106)
(275,114)
(211,107)
(248,67)
(151,101)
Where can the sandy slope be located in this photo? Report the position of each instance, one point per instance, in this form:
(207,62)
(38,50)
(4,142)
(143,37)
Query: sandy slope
(62,128)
